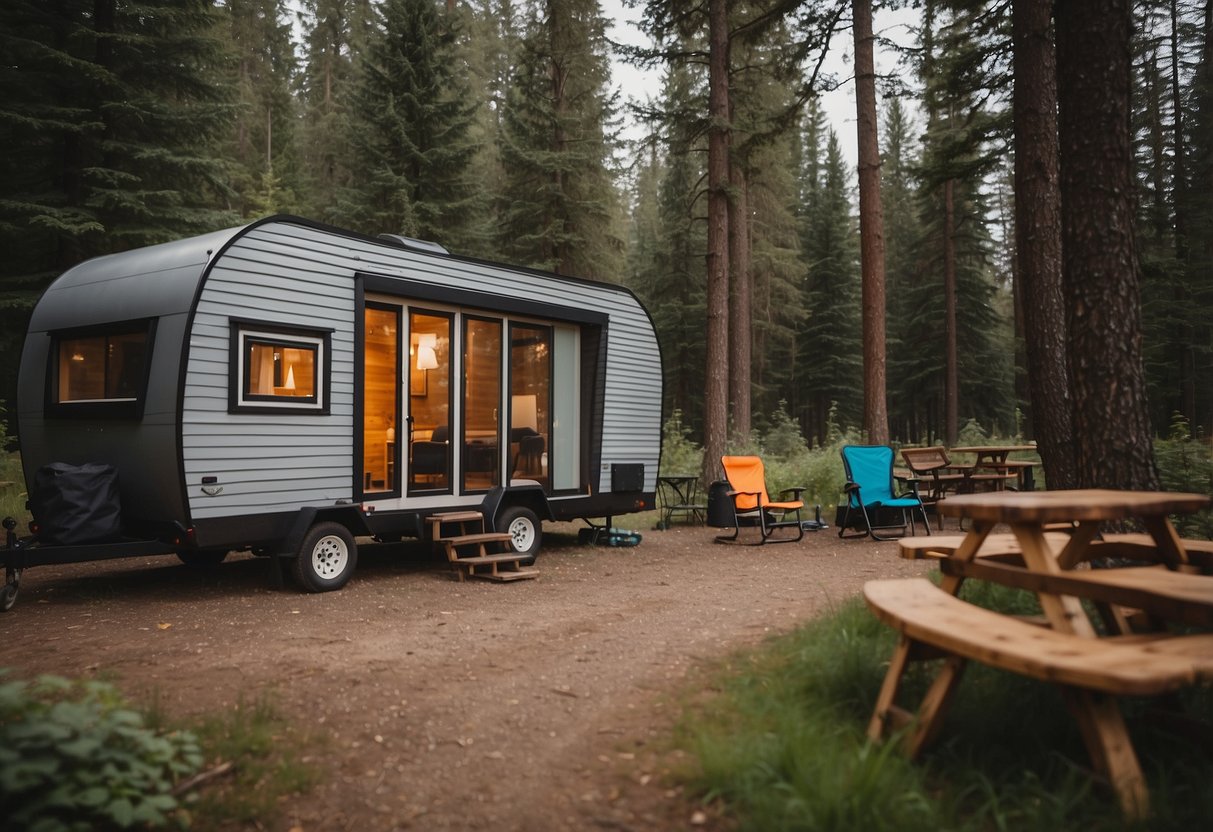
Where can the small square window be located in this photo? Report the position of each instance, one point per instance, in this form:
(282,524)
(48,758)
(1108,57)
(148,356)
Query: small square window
(280,370)
(99,372)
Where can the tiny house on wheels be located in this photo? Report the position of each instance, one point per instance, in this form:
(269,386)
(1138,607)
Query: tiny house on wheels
(286,387)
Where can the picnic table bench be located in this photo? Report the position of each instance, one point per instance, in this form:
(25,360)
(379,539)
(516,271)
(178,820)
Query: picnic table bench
(1090,672)
(1064,647)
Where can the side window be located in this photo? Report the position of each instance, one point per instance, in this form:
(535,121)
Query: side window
(100,371)
(279,369)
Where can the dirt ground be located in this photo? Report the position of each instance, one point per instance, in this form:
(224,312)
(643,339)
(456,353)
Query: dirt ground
(537,705)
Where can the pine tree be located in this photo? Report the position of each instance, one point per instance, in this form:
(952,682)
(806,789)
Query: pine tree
(261,146)
(831,352)
(672,284)
(334,32)
(110,118)
(560,209)
(487,45)
(966,346)
(910,358)
(412,116)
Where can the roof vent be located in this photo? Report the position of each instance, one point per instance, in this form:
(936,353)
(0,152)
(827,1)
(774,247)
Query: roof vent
(415,245)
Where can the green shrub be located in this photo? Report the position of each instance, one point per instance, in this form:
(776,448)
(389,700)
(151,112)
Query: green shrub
(1186,464)
(790,462)
(679,455)
(73,757)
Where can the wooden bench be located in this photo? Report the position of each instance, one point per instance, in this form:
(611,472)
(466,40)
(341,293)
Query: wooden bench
(1001,546)
(932,466)
(1143,547)
(1090,672)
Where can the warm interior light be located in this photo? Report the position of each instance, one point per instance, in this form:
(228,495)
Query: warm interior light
(290,377)
(524,412)
(77,357)
(427,357)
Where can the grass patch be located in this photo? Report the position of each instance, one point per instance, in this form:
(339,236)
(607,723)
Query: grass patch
(12,497)
(270,764)
(782,744)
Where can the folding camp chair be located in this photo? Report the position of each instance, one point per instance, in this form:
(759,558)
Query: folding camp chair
(869,489)
(751,505)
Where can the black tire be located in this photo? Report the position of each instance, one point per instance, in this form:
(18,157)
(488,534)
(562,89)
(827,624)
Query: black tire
(523,525)
(202,558)
(8,597)
(326,558)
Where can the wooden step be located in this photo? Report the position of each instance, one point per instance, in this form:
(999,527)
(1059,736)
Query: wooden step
(479,537)
(483,560)
(459,519)
(466,567)
(505,577)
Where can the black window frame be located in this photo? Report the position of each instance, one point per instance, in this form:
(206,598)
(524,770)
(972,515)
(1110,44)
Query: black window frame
(126,408)
(296,337)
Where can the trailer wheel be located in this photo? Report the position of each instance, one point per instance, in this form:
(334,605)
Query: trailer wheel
(327,558)
(8,597)
(524,528)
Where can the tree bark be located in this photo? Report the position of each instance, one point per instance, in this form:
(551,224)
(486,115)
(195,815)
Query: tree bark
(716,377)
(740,301)
(1112,436)
(951,376)
(871,231)
(1187,350)
(1038,239)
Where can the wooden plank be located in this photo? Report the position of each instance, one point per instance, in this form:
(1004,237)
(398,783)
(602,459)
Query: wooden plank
(480,537)
(1175,596)
(921,611)
(1000,546)
(1064,506)
(506,577)
(486,560)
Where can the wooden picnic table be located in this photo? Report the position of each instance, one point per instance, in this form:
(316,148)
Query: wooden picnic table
(1029,514)
(1069,651)
(995,460)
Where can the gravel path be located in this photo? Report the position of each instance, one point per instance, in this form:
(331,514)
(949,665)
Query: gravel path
(537,705)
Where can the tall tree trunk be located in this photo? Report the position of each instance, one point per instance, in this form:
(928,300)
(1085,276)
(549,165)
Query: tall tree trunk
(871,231)
(1038,240)
(1187,351)
(951,376)
(740,295)
(1102,285)
(716,378)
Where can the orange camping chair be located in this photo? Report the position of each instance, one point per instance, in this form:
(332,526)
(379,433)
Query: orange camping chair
(752,506)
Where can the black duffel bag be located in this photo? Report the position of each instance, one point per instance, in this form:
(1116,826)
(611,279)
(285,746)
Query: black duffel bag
(76,503)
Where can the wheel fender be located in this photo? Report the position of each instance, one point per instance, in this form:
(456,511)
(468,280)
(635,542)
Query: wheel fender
(530,495)
(350,516)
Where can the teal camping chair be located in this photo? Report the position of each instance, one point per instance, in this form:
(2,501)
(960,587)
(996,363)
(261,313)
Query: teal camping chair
(869,492)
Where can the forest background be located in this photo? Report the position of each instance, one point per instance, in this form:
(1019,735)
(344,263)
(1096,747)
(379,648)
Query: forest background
(490,126)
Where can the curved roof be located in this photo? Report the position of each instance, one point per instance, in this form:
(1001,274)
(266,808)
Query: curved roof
(143,283)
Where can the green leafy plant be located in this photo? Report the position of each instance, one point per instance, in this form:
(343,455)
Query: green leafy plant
(679,455)
(74,757)
(1185,463)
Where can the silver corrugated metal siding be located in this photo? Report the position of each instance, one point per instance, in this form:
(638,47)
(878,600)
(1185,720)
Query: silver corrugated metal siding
(297,275)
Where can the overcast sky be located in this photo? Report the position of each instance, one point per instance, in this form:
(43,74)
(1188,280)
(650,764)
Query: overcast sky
(839,105)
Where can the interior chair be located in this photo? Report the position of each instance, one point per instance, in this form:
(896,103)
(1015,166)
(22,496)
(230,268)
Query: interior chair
(430,455)
(753,507)
(528,460)
(870,493)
